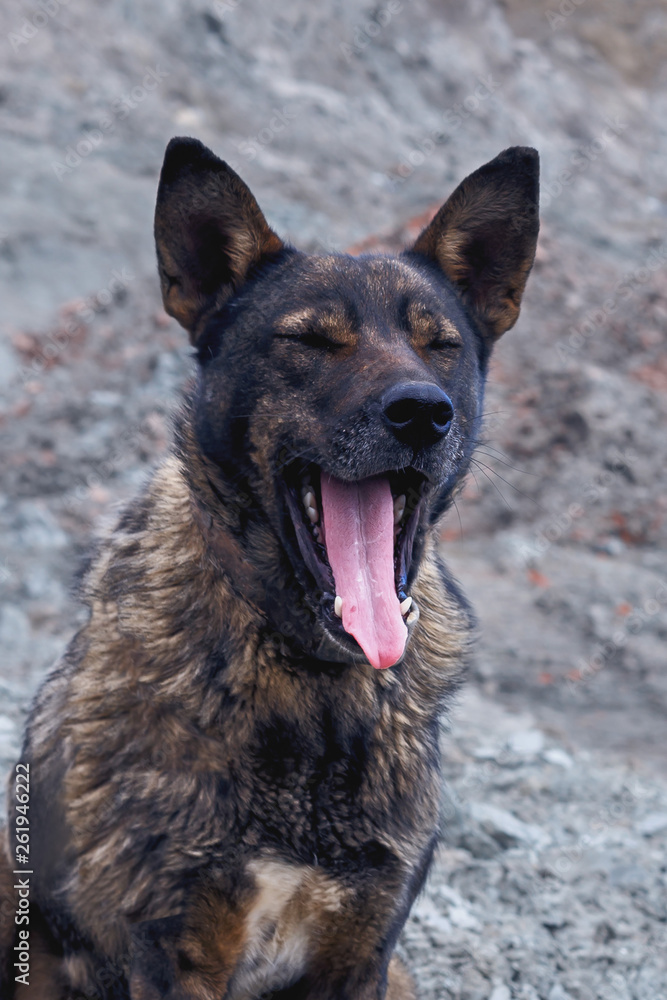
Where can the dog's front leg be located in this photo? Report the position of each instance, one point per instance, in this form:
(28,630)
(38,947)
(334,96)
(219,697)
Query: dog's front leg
(354,960)
(172,960)
(399,982)
(353,955)
(355,984)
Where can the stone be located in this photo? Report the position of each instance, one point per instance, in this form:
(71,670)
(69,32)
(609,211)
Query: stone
(505,828)
(557,992)
(655,822)
(558,757)
(501,993)
(528,742)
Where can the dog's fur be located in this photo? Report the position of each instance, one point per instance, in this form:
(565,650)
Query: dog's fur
(227,800)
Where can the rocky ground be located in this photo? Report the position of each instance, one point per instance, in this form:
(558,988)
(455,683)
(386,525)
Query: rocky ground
(350,123)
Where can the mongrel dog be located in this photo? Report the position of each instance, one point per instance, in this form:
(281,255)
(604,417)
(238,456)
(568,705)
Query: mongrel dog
(234,771)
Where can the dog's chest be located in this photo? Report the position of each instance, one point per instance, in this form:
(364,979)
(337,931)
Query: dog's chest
(333,787)
(289,913)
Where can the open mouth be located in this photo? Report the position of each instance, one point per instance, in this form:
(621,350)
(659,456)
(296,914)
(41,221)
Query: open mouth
(356,540)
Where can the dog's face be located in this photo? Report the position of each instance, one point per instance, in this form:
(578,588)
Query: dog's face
(342,395)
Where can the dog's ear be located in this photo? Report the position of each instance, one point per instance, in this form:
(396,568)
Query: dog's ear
(209,233)
(485,234)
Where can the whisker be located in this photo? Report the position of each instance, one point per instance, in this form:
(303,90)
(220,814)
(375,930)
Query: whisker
(472,473)
(458,514)
(487,444)
(490,413)
(522,472)
(498,491)
(512,486)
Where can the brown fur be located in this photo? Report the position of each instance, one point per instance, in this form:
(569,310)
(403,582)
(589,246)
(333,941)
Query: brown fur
(225,801)
(491,263)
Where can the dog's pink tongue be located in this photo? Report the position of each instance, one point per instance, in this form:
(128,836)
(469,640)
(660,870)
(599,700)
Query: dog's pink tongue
(358,523)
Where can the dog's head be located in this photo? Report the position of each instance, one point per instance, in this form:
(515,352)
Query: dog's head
(342,394)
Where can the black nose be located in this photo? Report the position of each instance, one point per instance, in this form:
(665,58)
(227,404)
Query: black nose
(419,413)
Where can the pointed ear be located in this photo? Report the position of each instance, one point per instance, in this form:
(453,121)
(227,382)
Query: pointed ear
(484,237)
(209,233)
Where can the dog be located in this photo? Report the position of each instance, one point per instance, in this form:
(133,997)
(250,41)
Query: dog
(233,772)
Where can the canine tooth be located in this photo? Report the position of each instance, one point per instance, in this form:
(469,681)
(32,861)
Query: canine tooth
(310,503)
(406,605)
(399,508)
(338,606)
(413,616)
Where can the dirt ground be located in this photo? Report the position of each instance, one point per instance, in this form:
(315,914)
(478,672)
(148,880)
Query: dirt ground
(350,123)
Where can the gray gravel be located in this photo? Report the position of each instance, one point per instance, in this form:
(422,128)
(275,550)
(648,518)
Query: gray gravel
(350,122)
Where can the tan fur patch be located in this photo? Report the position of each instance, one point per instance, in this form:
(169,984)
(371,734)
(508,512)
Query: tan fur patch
(292,901)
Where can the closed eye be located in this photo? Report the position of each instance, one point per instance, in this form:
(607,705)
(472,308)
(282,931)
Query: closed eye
(311,338)
(431,330)
(444,344)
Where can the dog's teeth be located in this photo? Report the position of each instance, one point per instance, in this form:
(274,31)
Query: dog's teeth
(399,508)
(406,605)
(310,503)
(316,532)
(338,606)
(413,616)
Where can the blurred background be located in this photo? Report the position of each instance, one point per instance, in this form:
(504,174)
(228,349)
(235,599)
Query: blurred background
(352,123)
